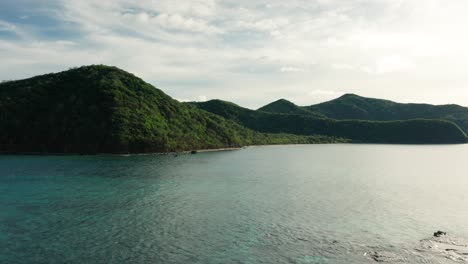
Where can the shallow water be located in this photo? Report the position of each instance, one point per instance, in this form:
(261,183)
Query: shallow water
(273,204)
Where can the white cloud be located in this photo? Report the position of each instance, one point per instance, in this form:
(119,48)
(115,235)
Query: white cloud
(342,66)
(291,69)
(325,92)
(5,26)
(234,50)
(390,64)
(174,22)
(269,25)
(12,28)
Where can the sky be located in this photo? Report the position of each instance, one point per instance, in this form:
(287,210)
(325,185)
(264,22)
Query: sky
(250,52)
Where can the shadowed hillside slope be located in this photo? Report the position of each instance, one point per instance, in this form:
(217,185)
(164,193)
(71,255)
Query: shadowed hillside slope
(409,131)
(351,106)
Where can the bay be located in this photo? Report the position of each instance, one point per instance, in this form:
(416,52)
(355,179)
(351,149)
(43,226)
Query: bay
(269,204)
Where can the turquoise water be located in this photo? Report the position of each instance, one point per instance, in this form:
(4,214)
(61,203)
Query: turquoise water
(272,204)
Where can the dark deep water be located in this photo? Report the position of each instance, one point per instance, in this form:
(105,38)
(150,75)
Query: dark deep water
(273,204)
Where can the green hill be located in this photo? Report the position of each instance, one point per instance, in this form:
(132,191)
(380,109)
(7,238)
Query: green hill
(101,109)
(286,107)
(351,106)
(408,131)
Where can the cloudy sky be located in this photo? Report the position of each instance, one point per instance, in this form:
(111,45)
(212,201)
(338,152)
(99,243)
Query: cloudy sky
(250,52)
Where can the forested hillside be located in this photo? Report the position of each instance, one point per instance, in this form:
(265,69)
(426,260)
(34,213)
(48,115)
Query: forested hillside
(351,106)
(101,109)
(414,131)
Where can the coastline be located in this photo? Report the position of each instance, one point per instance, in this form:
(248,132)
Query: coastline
(219,149)
(195,151)
(185,152)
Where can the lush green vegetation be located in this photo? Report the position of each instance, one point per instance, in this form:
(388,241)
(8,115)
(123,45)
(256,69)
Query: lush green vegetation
(101,109)
(351,106)
(286,107)
(407,131)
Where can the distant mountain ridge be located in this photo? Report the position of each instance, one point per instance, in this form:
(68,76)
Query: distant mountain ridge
(412,131)
(352,106)
(102,109)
